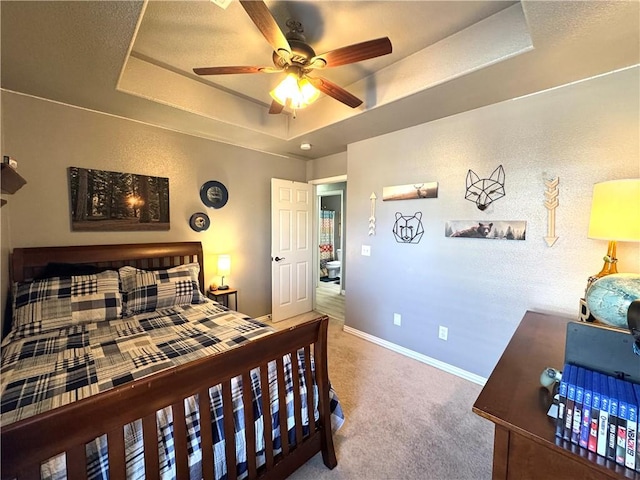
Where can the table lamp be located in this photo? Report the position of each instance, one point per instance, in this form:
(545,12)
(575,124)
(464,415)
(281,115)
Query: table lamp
(224,268)
(615,216)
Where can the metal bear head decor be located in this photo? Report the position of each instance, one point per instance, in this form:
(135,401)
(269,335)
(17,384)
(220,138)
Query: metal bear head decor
(484,191)
(408,229)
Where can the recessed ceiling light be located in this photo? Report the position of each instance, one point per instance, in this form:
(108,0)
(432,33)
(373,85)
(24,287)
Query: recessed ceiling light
(305,146)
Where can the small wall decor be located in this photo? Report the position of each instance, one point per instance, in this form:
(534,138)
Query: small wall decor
(551,203)
(114,201)
(412,191)
(214,194)
(199,222)
(408,229)
(372,217)
(484,191)
(494,230)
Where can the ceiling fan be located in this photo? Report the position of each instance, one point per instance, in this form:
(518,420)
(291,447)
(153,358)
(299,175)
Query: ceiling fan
(293,55)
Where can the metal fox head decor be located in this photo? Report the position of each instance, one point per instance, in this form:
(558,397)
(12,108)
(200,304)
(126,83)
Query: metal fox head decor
(484,191)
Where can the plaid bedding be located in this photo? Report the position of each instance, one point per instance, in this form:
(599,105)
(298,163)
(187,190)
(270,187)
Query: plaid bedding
(146,291)
(57,367)
(57,302)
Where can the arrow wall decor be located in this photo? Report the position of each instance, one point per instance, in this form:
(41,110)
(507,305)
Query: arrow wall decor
(551,203)
(372,218)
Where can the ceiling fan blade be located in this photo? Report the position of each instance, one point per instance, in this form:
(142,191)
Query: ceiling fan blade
(335,91)
(261,16)
(353,53)
(275,108)
(234,70)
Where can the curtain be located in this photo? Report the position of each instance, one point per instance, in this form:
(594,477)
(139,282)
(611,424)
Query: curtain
(326,239)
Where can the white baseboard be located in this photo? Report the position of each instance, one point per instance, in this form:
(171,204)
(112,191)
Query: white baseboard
(472,377)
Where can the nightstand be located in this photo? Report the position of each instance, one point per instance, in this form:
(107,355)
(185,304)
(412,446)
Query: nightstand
(222,296)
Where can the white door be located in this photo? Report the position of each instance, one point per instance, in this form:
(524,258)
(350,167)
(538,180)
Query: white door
(291,252)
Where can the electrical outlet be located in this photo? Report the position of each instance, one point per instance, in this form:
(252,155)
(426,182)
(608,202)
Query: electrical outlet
(366,250)
(397,319)
(443,333)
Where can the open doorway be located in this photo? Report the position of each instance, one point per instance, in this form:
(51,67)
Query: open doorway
(331,263)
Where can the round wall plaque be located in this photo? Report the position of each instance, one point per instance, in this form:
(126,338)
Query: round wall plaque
(214,194)
(199,222)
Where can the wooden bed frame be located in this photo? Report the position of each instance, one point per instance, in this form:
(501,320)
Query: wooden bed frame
(27,443)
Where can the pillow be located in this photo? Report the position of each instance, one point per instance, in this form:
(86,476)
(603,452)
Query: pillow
(57,302)
(148,290)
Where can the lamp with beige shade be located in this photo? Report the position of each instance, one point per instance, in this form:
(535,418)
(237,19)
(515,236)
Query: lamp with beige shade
(615,217)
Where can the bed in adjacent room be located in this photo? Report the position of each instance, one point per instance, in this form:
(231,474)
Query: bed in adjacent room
(116,360)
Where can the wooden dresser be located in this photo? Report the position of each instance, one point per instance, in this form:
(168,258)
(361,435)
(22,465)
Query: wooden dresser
(525,446)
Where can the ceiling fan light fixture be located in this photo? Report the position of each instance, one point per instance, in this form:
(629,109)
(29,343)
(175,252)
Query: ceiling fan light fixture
(295,92)
(293,54)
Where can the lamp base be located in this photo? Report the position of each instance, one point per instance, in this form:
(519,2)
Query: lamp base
(610,261)
(223,287)
(609,266)
(608,298)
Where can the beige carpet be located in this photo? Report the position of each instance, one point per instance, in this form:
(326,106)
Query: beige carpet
(404,419)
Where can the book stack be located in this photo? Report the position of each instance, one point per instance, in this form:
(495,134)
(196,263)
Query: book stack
(599,412)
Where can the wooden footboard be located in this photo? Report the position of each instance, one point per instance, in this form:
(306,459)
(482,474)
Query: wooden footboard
(27,443)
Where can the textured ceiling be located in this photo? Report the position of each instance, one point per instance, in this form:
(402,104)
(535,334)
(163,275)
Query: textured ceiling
(219,37)
(134,59)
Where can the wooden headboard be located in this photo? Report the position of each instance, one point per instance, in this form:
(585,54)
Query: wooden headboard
(27,263)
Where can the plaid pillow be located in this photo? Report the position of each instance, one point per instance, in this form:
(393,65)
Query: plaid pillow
(148,290)
(56,302)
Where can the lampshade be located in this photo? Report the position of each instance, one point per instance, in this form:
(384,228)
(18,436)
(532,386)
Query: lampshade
(224,265)
(615,211)
(295,92)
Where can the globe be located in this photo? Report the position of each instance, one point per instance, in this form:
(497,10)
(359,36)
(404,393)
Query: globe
(609,297)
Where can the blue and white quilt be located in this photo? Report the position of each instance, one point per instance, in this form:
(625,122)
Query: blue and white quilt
(58,366)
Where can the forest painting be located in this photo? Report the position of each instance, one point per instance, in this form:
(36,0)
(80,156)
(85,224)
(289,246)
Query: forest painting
(113,201)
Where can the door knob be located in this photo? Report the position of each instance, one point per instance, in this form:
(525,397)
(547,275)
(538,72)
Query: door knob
(277,259)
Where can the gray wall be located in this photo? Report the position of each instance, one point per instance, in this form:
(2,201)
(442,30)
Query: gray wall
(46,138)
(583,133)
(327,167)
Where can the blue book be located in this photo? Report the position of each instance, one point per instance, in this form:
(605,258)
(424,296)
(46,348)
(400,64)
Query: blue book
(562,401)
(586,410)
(571,399)
(632,427)
(577,407)
(621,436)
(636,390)
(613,419)
(595,413)
(603,421)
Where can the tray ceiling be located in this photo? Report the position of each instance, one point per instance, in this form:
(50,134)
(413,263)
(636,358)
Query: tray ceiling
(135,59)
